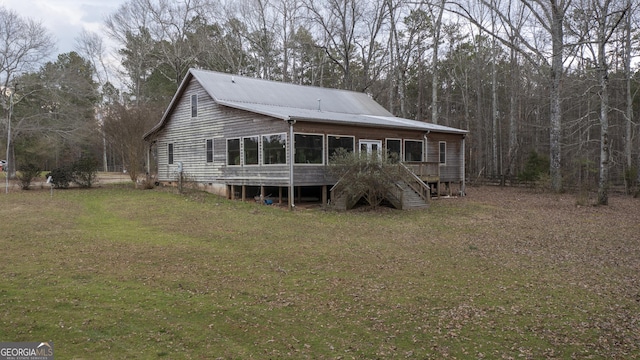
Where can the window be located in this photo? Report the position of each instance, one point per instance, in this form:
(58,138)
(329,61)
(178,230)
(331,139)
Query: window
(339,142)
(194,105)
(250,150)
(394,149)
(412,150)
(443,152)
(309,149)
(233,152)
(170,153)
(274,149)
(209,150)
(372,148)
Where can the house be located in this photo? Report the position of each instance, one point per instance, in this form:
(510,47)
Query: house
(233,136)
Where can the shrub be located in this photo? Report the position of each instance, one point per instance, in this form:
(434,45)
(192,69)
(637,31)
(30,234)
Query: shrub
(535,167)
(85,171)
(26,174)
(61,177)
(363,176)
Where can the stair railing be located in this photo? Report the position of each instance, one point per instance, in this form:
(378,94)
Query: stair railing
(415,183)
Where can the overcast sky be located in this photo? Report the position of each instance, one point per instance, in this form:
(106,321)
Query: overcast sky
(65,19)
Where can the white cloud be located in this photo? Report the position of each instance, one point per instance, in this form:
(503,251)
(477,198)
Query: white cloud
(65,19)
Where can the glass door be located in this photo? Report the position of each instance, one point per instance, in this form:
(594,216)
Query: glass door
(371,147)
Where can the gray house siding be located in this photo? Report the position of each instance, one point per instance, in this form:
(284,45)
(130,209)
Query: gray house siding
(188,136)
(451,171)
(233,109)
(218,123)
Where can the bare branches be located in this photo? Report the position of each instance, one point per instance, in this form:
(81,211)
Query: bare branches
(24,44)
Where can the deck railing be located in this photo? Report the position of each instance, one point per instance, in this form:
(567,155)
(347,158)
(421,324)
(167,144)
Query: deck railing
(426,171)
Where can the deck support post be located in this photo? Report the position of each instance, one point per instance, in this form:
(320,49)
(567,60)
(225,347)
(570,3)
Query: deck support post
(291,144)
(463,189)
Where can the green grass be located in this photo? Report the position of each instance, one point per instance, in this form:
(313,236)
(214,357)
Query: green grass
(117,273)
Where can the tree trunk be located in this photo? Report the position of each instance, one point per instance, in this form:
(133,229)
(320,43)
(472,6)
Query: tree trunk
(494,107)
(555,123)
(513,118)
(434,80)
(628,146)
(605,151)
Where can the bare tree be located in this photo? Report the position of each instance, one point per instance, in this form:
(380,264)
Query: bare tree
(629,138)
(128,27)
(338,21)
(437,10)
(409,30)
(24,45)
(124,127)
(517,19)
(550,16)
(156,36)
(290,14)
(91,47)
(600,19)
(260,18)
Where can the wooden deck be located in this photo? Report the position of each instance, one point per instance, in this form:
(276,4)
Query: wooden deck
(429,172)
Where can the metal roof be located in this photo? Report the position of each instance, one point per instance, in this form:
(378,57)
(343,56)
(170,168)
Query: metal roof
(322,116)
(301,103)
(240,89)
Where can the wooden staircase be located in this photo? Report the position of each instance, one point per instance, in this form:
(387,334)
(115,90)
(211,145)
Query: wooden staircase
(408,193)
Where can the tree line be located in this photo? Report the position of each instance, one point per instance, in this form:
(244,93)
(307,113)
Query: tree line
(553,80)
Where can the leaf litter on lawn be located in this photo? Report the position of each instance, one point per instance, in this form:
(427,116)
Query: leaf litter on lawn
(501,273)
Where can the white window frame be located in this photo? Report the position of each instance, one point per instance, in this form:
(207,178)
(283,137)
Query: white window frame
(194,105)
(322,152)
(261,146)
(404,147)
(440,152)
(244,152)
(206,151)
(353,144)
(239,152)
(171,152)
(386,148)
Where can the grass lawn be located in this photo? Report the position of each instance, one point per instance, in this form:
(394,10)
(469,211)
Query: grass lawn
(118,273)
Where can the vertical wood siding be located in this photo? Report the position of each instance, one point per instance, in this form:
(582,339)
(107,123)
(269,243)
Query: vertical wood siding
(451,171)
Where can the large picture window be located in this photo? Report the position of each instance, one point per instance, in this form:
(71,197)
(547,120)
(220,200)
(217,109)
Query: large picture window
(339,142)
(412,150)
(274,149)
(443,152)
(233,152)
(250,150)
(394,149)
(308,148)
(170,153)
(209,150)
